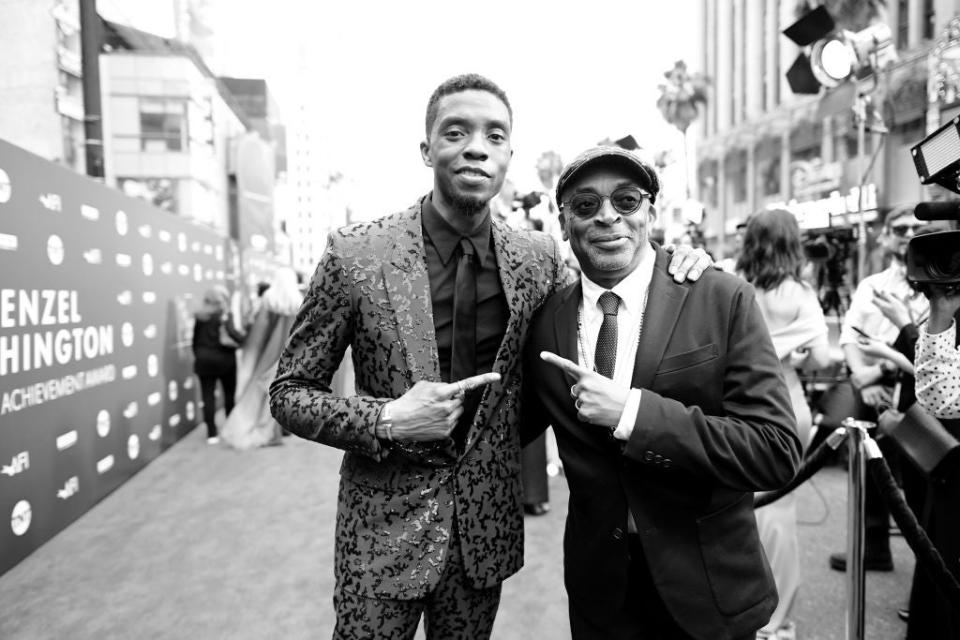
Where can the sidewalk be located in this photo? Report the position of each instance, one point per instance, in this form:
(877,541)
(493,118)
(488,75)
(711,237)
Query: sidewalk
(211,543)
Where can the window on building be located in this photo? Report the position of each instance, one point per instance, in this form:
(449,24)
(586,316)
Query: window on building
(929,19)
(764,56)
(73,142)
(737,174)
(163,124)
(707,175)
(903,24)
(744,93)
(733,63)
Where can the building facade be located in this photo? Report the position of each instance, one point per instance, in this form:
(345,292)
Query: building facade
(40,80)
(761,146)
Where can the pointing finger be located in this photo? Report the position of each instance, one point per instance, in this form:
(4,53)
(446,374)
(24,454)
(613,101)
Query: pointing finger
(476,381)
(568,366)
(467,384)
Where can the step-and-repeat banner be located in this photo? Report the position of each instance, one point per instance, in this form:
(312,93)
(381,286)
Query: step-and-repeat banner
(97,294)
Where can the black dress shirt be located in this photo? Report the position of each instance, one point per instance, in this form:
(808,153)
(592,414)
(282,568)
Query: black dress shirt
(441,244)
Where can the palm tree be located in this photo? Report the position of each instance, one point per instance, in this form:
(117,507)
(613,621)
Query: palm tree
(681,97)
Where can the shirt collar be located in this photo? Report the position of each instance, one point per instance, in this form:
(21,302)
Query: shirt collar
(446,239)
(632,290)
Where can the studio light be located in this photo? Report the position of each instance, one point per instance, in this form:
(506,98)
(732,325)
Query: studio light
(832,61)
(835,55)
(937,157)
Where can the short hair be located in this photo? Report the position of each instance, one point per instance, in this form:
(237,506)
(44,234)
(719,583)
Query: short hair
(459,84)
(771,249)
(898,211)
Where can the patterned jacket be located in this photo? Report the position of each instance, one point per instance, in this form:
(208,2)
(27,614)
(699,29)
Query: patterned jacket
(397,502)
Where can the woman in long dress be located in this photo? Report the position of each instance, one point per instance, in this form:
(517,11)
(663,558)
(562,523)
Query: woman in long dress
(772,260)
(250,424)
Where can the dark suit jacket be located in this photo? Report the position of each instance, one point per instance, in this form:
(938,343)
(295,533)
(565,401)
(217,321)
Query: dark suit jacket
(715,424)
(396,503)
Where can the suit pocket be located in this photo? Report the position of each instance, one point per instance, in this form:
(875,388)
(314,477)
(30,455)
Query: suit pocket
(733,558)
(688,359)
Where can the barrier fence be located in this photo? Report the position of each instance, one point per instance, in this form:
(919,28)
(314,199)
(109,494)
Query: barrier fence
(97,292)
(864,457)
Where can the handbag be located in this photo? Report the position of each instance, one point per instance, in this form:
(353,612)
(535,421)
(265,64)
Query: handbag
(924,439)
(226,340)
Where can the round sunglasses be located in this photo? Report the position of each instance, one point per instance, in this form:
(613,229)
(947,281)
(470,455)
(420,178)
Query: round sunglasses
(625,200)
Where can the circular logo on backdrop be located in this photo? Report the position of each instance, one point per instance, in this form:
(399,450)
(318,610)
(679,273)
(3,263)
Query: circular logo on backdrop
(190,411)
(122,225)
(55,249)
(20,518)
(6,188)
(172,390)
(103,423)
(126,334)
(153,365)
(133,447)
(147,264)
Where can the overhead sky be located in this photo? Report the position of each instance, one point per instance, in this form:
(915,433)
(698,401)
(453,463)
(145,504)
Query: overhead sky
(575,72)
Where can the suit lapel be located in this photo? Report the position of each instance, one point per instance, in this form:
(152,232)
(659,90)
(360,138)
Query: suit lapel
(664,302)
(408,288)
(565,323)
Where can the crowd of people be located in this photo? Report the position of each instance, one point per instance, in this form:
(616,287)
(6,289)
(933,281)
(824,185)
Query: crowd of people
(673,390)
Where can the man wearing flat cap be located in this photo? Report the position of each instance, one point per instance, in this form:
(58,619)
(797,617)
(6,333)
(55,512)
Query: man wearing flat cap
(669,411)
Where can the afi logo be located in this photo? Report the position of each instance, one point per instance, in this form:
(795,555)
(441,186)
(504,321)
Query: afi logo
(69,489)
(19,464)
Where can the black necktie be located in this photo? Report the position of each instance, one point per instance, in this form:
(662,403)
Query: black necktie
(463,356)
(606,355)
(463,350)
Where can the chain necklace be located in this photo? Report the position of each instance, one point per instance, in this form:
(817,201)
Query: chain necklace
(588,362)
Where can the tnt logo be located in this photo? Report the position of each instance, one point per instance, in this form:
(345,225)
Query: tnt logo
(69,489)
(19,464)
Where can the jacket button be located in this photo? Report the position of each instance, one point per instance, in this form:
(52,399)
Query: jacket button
(648,456)
(658,459)
(618,534)
(667,463)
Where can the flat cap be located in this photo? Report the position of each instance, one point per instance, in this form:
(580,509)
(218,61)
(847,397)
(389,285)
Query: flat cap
(645,173)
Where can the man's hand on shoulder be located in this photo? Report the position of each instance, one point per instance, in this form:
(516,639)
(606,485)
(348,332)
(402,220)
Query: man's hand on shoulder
(687,263)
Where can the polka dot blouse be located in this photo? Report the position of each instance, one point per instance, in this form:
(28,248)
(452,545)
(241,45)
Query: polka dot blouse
(938,372)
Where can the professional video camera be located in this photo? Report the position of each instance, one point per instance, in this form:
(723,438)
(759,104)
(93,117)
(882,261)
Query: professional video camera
(829,249)
(934,258)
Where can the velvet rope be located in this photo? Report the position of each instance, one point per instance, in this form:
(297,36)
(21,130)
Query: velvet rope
(811,464)
(926,554)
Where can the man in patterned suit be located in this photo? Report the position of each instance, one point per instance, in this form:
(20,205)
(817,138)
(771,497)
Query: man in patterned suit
(434,302)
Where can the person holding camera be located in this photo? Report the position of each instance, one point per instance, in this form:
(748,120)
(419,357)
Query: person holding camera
(937,367)
(873,378)
(938,355)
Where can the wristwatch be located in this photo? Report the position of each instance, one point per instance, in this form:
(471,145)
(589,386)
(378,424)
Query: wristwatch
(386,421)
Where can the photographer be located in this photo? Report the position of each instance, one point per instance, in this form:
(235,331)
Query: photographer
(869,315)
(938,356)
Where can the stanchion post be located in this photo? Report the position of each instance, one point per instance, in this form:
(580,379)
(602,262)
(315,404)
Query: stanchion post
(856,480)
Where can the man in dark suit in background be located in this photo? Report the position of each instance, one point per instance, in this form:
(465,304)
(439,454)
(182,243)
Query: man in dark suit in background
(669,411)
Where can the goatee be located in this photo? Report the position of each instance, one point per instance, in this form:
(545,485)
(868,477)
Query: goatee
(468,205)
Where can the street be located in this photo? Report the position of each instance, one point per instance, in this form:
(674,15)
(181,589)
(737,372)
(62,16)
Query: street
(212,543)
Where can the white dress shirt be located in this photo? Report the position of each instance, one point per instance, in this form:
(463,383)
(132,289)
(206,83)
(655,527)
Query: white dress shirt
(632,291)
(938,372)
(867,317)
